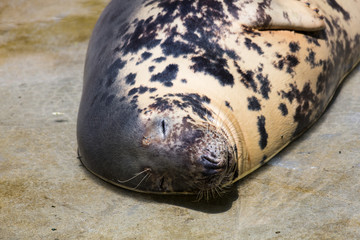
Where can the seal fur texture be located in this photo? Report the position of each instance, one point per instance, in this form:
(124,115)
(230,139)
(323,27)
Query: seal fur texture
(191,96)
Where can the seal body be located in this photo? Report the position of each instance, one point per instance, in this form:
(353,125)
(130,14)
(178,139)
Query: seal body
(190,96)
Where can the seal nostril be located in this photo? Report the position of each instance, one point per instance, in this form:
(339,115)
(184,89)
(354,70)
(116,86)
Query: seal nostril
(209,162)
(207,158)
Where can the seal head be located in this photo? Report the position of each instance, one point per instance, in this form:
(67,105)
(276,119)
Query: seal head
(158,151)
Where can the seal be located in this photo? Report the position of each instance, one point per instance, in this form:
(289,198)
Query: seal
(187,97)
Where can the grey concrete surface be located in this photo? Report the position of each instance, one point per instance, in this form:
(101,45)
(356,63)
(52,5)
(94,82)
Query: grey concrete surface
(311,190)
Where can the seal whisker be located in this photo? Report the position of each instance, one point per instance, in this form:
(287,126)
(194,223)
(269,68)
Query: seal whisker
(208,124)
(206,195)
(213,192)
(200,195)
(232,124)
(217,119)
(148,174)
(135,176)
(220,191)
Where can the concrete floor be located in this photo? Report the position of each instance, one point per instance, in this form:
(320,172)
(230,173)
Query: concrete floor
(311,190)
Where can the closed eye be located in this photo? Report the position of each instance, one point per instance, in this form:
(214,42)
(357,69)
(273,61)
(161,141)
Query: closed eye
(163,127)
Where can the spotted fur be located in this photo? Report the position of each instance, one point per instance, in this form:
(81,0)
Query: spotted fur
(199,85)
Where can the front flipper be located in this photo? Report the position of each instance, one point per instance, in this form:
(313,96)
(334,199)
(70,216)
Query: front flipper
(296,15)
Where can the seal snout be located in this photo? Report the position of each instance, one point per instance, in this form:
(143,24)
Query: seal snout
(212,164)
(216,168)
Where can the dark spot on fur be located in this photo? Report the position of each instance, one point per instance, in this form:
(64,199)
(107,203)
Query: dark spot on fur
(263,18)
(205,99)
(330,26)
(133,91)
(146,55)
(113,71)
(286,16)
(159,59)
(268,44)
(304,98)
(280,64)
(151,68)
(322,79)
(294,47)
(254,104)
(338,8)
(232,8)
(228,105)
(144,36)
(168,84)
(312,39)
(232,54)
(134,102)
(283,109)
(264,85)
(247,78)
(251,45)
(195,101)
(216,69)
(290,61)
(167,76)
(130,79)
(151,90)
(311,59)
(262,132)
(142,89)
(175,48)
(162,104)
